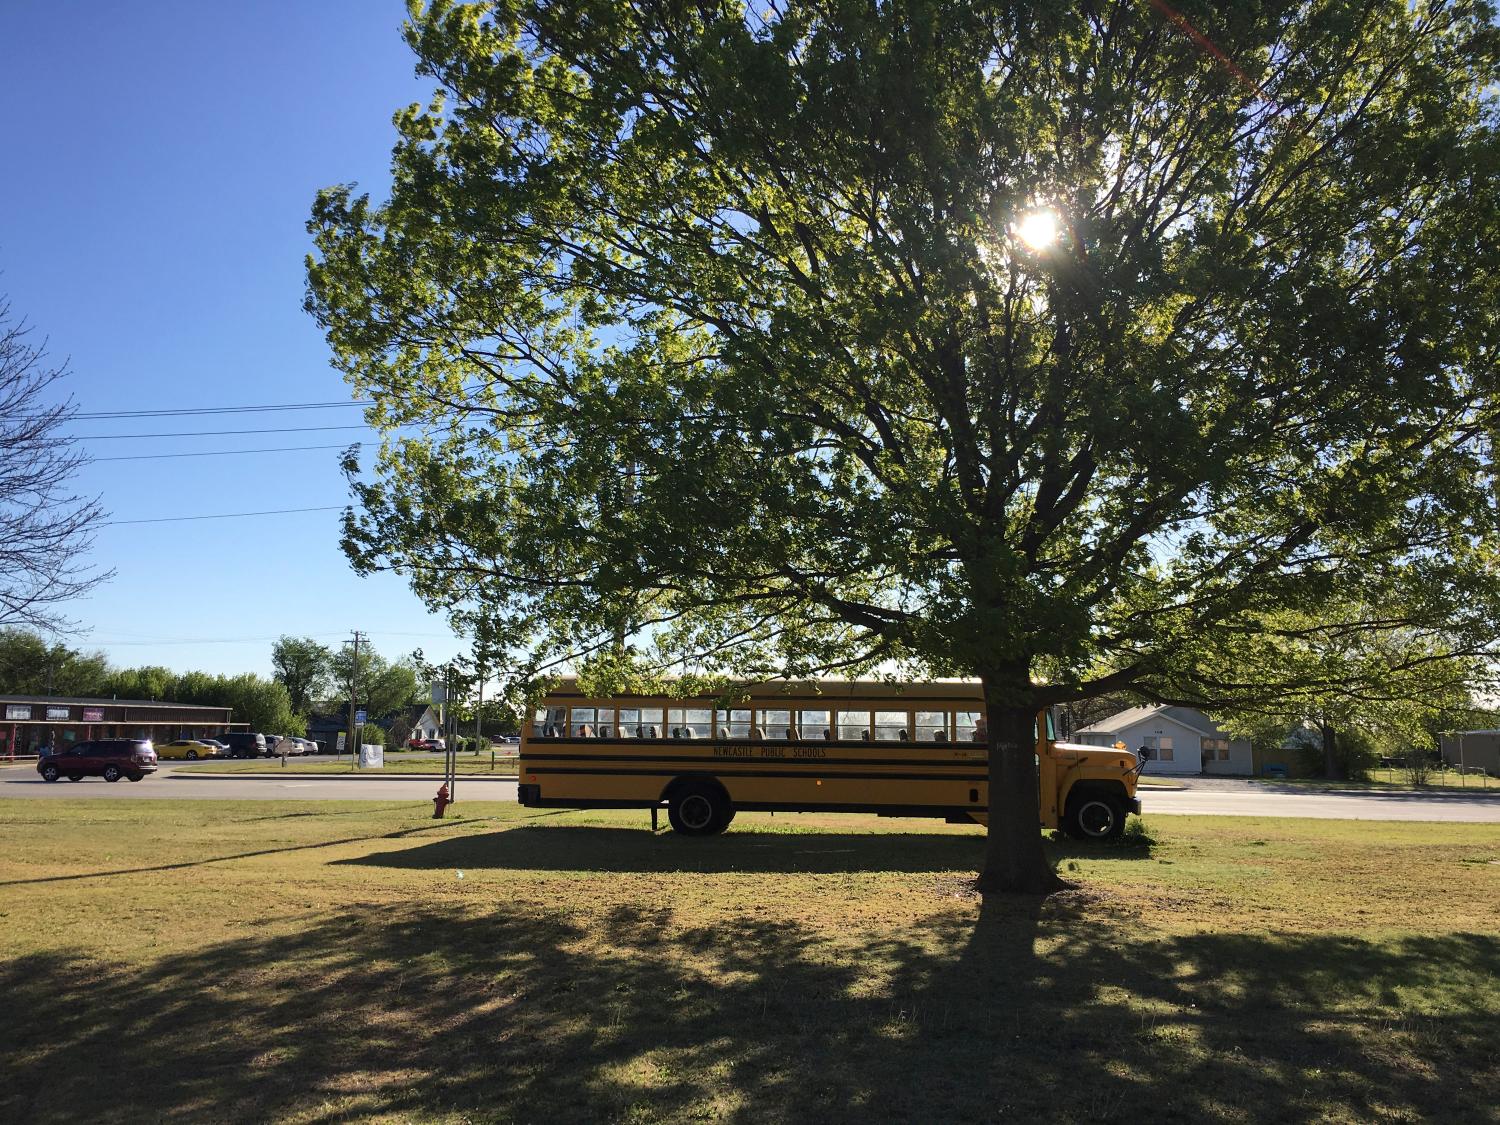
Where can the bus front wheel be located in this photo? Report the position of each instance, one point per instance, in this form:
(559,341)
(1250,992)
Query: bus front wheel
(1094,816)
(697,809)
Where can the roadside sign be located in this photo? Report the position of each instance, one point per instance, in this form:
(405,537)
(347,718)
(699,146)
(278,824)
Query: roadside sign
(372,756)
(341,742)
(359,718)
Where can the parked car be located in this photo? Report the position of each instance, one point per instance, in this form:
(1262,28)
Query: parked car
(222,747)
(190,749)
(295,745)
(244,744)
(109,758)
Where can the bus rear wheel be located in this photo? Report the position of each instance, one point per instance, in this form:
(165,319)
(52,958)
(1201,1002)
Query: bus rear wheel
(698,809)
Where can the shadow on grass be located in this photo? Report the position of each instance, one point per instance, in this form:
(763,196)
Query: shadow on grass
(588,848)
(207,860)
(1023,1009)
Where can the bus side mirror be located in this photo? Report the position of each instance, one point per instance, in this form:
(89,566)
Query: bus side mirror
(1145,753)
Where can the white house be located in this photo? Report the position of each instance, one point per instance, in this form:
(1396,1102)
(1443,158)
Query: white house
(1186,741)
(426,725)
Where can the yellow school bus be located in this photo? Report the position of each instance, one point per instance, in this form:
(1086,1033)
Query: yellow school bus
(914,749)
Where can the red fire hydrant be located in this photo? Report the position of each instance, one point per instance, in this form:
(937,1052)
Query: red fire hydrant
(440,802)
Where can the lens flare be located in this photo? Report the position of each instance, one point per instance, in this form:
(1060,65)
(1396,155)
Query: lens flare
(1037,229)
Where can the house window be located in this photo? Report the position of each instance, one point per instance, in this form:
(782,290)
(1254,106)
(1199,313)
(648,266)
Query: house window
(1162,744)
(1216,749)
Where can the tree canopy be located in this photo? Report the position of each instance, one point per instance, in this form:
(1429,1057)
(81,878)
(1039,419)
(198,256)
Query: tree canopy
(1067,343)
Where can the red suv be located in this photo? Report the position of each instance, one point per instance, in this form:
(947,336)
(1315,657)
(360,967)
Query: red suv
(109,758)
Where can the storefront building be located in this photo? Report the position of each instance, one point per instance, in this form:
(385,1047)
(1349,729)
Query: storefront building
(30,723)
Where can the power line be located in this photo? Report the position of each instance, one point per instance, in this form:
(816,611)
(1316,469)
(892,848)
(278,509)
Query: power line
(255,640)
(215,453)
(184,411)
(223,515)
(215,433)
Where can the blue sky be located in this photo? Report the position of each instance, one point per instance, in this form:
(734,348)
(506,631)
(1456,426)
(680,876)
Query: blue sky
(160,163)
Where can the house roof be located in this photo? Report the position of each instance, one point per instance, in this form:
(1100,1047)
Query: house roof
(90,700)
(1189,717)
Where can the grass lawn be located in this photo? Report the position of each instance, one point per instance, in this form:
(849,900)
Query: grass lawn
(201,961)
(433,764)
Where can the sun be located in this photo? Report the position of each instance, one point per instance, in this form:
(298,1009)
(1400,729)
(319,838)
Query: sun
(1037,229)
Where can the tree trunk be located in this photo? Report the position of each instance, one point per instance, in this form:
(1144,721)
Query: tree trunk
(1014,862)
(1332,767)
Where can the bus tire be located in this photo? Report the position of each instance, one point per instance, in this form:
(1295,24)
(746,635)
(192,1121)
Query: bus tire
(697,808)
(1095,815)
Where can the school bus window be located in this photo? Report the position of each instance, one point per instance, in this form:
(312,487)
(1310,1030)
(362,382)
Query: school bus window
(890,726)
(549,722)
(777,725)
(733,723)
(582,722)
(650,723)
(815,725)
(688,722)
(932,726)
(606,722)
(630,722)
(854,725)
(965,726)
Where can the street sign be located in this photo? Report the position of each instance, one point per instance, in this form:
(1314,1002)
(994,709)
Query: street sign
(372,756)
(359,718)
(340,746)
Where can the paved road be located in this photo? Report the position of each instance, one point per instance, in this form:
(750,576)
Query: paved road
(1257,799)
(173,783)
(1224,799)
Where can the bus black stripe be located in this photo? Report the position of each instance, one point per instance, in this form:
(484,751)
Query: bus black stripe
(805,773)
(751,759)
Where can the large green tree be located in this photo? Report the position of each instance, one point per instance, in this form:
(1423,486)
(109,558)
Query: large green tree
(304,667)
(32,665)
(1049,344)
(1389,688)
(382,687)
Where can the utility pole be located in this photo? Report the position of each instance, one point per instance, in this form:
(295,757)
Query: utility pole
(479,710)
(353,697)
(450,744)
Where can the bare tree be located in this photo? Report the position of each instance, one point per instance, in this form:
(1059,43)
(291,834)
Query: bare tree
(46,529)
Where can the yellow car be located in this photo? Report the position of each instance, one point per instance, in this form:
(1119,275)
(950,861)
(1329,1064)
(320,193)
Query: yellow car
(189,748)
